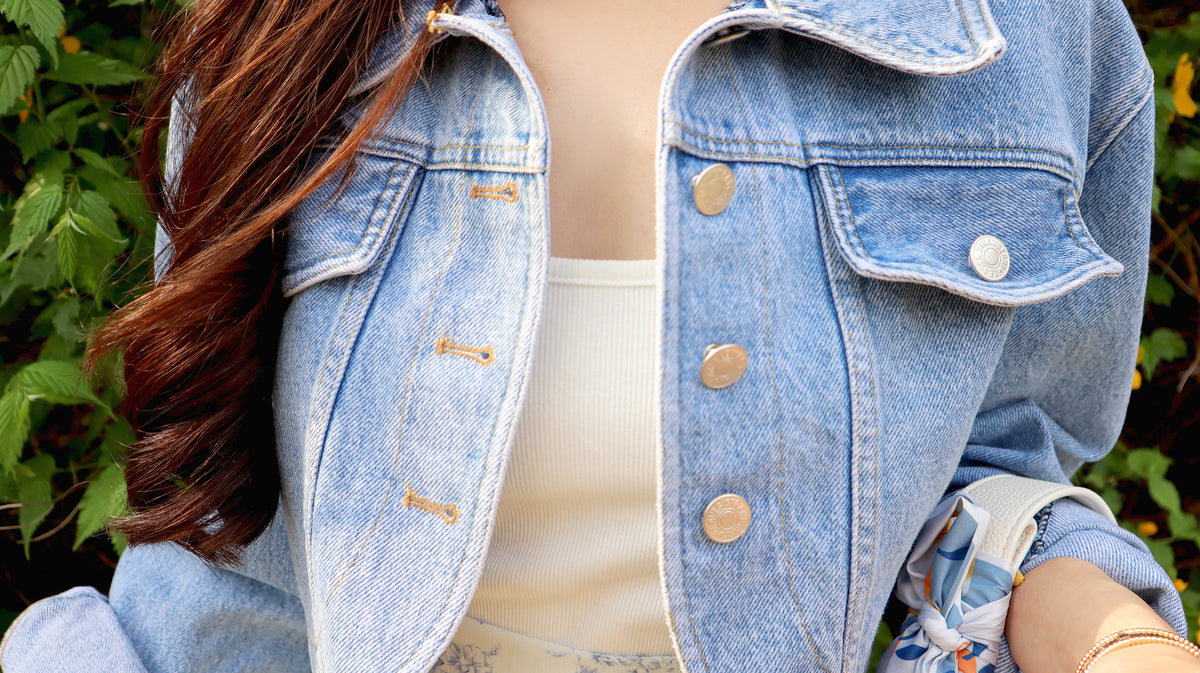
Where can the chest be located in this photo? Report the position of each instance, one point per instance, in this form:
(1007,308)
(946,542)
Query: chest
(599,76)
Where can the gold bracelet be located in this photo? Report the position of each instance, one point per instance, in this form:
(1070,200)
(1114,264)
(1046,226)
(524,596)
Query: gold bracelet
(1130,637)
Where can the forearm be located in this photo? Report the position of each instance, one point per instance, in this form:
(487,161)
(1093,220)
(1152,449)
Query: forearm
(1065,605)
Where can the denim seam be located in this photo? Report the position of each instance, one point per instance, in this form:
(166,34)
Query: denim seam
(760,218)
(686,595)
(366,234)
(324,418)
(1119,127)
(804,163)
(424,160)
(1146,83)
(859,438)
(897,52)
(844,196)
(332,592)
(802,146)
(439,148)
(1071,227)
(683,581)
(1103,125)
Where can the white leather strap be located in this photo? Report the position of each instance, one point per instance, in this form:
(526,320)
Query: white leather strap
(1013,502)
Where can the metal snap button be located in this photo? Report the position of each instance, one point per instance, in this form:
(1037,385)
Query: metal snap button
(726,518)
(989,258)
(712,188)
(723,365)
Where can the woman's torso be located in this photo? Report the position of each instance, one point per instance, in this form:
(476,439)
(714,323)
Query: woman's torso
(869,145)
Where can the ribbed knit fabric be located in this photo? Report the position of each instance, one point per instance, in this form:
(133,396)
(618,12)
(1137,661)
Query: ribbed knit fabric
(574,557)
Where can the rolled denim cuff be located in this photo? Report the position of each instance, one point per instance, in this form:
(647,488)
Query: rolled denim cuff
(72,631)
(1074,531)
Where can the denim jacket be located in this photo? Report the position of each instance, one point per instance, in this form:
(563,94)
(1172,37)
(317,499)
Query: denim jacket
(870,143)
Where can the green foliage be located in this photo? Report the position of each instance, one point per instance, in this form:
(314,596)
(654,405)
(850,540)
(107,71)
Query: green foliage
(1127,478)
(75,234)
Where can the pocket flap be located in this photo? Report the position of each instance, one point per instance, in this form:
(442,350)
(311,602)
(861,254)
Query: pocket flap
(339,230)
(917,224)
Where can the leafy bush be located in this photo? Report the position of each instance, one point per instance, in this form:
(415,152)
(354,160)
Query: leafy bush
(76,233)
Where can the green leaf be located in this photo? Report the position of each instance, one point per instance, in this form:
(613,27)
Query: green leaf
(125,194)
(64,315)
(1163,554)
(67,118)
(1148,463)
(59,382)
(1184,525)
(34,491)
(1159,290)
(92,69)
(97,160)
(14,427)
(8,486)
(101,219)
(44,17)
(104,498)
(1163,492)
(37,271)
(42,198)
(1185,163)
(34,136)
(66,234)
(17,66)
(1162,345)
(1112,497)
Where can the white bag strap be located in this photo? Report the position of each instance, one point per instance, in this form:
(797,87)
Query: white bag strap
(1013,502)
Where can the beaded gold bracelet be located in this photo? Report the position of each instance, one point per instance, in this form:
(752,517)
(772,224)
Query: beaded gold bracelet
(1130,637)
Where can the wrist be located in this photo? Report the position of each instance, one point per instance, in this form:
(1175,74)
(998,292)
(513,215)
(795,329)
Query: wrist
(1149,657)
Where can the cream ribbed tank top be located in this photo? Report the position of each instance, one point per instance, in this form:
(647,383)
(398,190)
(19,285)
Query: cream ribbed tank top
(574,556)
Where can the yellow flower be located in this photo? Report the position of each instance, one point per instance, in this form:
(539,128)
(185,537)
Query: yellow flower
(1148,528)
(70,44)
(1141,353)
(1180,585)
(1184,73)
(1137,379)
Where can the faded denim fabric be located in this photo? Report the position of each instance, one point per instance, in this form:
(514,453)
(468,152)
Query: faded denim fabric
(871,143)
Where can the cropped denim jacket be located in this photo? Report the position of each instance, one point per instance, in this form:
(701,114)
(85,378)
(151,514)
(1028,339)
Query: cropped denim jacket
(871,143)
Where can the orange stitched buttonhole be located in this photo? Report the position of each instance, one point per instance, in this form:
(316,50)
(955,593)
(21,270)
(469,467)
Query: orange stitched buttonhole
(506,192)
(448,512)
(483,354)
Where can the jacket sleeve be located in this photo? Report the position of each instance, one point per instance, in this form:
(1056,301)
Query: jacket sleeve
(1060,391)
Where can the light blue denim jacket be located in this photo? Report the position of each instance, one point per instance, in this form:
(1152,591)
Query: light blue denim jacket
(871,143)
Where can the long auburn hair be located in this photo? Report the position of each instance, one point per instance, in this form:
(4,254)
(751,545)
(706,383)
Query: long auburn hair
(264,80)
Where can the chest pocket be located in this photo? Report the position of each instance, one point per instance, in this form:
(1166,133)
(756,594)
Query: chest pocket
(340,229)
(919,224)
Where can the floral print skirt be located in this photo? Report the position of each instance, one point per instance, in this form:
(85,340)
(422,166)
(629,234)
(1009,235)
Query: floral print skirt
(483,648)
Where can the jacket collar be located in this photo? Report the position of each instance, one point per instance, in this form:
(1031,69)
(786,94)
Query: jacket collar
(921,37)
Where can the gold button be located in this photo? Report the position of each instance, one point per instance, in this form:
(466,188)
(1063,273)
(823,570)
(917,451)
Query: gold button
(726,518)
(723,365)
(712,189)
